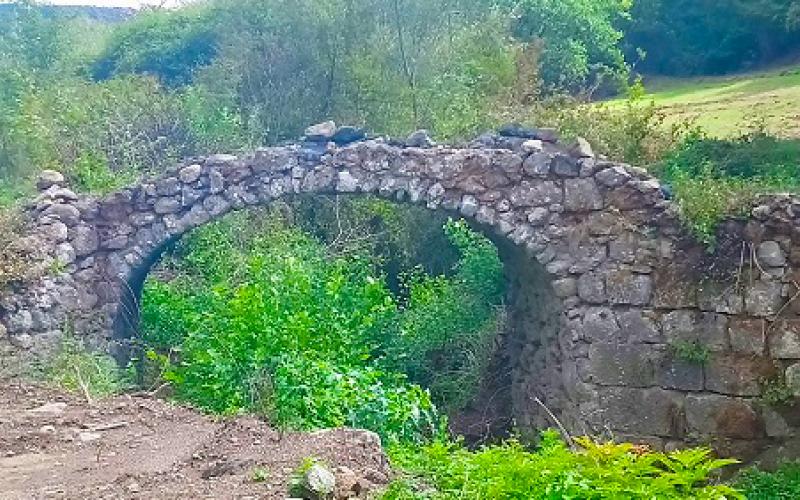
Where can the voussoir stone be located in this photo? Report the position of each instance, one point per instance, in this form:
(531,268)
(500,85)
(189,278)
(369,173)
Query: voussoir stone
(612,177)
(582,195)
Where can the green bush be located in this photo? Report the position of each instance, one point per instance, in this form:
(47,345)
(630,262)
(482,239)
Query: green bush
(263,320)
(714,178)
(782,484)
(258,316)
(634,131)
(167,44)
(594,471)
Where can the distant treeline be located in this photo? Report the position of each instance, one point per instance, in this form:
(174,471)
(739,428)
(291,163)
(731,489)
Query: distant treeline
(695,37)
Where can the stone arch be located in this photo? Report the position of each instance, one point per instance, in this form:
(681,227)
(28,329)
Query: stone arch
(605,278)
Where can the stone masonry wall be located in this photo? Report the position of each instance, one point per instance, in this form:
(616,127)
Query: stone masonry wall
(608,283)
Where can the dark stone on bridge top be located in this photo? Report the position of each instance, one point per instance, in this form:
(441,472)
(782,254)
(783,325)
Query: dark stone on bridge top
(517,130)
(522,132)
(347,134)
(420,139)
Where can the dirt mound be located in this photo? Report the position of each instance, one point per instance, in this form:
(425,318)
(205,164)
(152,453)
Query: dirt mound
(55,445)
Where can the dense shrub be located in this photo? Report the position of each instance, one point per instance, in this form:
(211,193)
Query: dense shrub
(257,316)
(593,471)
(716,178)
(782,484)
(580,40)
(169,45)
(97,133)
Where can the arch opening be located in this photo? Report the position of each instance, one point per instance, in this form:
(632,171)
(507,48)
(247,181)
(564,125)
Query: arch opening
(523,347)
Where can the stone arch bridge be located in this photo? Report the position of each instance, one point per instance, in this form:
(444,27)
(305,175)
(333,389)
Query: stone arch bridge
(605,283)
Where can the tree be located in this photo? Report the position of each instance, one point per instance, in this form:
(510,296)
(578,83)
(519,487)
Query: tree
(686,37)
(580,40)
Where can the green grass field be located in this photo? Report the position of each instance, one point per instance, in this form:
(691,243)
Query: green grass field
(728,106)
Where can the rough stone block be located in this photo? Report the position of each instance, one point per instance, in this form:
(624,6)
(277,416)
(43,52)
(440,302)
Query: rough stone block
(672,373)
(784,339)
(622,365)
(540,193)
(168,187)
(774,423)
(613,177)
(623,248)
(565,166)
(600,325)
(651,412)
(637,325)
(719,298)
(566,287)
(707,329)
(190,174)
(167,206)
(770,254)
(673,289)
(764,298)
(747,335)
(537,164)
(592,288)
(721,416)
(737,375)
(582,195)
(625,287)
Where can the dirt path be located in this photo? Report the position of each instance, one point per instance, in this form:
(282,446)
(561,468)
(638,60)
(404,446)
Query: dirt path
(54,445)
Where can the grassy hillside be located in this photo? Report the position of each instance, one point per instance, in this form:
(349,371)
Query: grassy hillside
(726,106)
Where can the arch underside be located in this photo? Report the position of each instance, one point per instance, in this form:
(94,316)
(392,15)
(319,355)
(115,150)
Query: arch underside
(604,279)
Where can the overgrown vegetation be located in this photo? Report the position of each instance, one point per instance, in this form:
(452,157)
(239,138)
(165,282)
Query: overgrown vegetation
(89,373)
(443,470)
(690,352)
(260,317)
(716,178)
(783,484)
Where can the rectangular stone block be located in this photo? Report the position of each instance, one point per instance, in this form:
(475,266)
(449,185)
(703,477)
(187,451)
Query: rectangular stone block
(712,415)
(747,335)
(629,365)
(737,375)
(673,289)
(784,339)
(673,373)
(714,297)
(649,412)
(707,329)
(637,325)
(625,287)
(764,298)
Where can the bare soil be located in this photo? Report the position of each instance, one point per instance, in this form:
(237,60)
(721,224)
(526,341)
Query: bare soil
(56,445)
